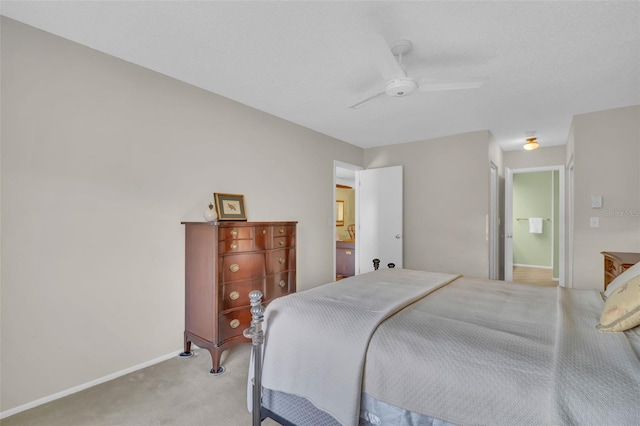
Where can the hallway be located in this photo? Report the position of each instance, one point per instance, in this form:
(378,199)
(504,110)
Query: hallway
(529,275)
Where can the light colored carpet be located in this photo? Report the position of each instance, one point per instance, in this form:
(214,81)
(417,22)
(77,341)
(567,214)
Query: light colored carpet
(174,392)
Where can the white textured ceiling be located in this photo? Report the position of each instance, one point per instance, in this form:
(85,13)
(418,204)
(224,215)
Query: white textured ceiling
(307,62)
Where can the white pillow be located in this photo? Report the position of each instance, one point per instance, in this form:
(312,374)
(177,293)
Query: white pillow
(622,278)
(622,309)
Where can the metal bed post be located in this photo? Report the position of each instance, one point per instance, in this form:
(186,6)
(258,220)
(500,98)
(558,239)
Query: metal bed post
(256,335)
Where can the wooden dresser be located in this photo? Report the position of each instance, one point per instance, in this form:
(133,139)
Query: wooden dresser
(345,258)
(616,263)
(223,263)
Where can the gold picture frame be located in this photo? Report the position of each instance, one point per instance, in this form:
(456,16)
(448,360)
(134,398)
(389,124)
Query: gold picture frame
(230,207)
(339,212)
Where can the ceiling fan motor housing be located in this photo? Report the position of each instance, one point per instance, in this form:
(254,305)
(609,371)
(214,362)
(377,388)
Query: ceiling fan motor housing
(400,87)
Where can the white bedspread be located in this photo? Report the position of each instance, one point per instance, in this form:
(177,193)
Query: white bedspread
(475,352)
(493,353)
(484,354)
(596,374)
(316,340)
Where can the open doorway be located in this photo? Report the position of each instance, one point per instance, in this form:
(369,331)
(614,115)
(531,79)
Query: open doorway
(344,195)
(534,225)
(377,216)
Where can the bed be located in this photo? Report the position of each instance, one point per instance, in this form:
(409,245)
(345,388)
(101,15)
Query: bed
(403,347)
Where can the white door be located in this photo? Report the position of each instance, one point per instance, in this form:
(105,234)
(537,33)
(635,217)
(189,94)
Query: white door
(379,211)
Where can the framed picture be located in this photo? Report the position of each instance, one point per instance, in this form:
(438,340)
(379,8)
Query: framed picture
(339,212)
(230,207)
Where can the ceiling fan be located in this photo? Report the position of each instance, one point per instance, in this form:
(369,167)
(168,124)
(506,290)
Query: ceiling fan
(398,83)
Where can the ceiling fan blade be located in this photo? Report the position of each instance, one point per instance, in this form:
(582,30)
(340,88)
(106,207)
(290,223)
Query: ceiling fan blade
(370,98)
(428,85)
(386,62)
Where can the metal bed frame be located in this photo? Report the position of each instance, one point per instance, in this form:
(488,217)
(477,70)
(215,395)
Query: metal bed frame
(256,334)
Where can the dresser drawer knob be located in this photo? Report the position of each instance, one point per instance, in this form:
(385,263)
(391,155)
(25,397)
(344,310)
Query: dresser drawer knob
(234,246)
(282,284)
(234,233)
(264,231)
(234,323)
(234,295)
(234,268)
(281,243)
(281,260)
(281,230)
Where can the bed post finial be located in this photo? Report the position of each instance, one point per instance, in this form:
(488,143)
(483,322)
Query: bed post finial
(257,310)
(256,335)
(376,264)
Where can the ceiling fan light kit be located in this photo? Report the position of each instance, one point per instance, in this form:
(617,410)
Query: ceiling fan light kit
(398,84)
(400,87)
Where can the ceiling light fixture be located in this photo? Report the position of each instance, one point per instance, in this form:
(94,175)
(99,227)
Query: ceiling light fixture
(532,142)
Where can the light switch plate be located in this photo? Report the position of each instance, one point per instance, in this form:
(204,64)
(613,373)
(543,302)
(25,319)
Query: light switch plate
(596,201)
(595,222)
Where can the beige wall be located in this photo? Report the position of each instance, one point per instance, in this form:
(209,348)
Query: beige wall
(541,157)
(446,192)
(606,149)
(544,157)
(101,161)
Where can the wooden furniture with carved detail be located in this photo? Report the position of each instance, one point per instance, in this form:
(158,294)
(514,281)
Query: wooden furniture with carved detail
(345,259)
(223,263)
(616,263)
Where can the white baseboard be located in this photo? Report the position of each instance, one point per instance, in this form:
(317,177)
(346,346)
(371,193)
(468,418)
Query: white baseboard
(87,385)
(533,266)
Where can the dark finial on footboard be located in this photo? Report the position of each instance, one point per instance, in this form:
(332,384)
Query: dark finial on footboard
(376,264)
(256,335)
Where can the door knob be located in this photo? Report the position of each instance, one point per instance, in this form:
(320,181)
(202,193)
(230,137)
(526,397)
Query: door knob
(397,236)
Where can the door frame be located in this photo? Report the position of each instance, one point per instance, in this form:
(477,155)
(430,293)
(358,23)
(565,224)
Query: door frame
(569,220)
(493,225)
(508,220)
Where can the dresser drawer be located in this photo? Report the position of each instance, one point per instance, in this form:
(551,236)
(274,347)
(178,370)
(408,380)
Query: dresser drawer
(282,242)
(282,236)
(234,246)
(241,266)
(233,323)
(280,284)
(236,294)
(236,232)
(283,230)
(280,260)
